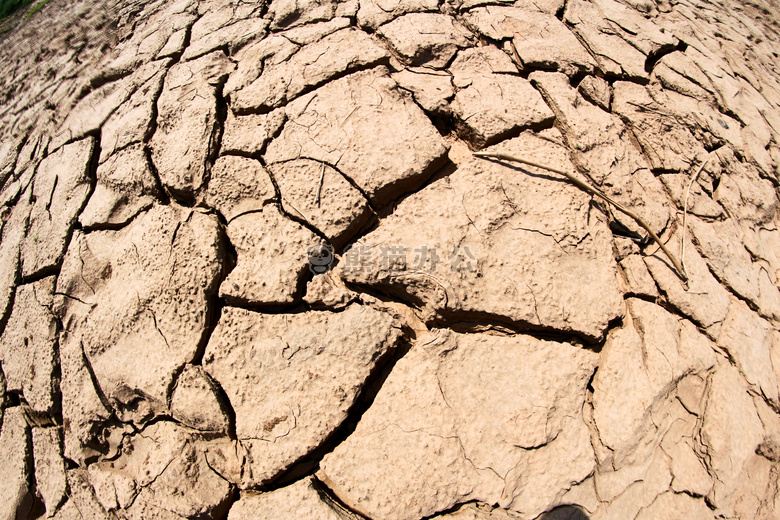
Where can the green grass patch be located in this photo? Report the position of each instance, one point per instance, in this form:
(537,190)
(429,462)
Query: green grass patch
(35,9)
(9,7)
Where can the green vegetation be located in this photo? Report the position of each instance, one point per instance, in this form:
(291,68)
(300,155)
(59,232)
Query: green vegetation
(8,7)
(35,9)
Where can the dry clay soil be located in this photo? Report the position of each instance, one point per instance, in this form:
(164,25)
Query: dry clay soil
(489,342)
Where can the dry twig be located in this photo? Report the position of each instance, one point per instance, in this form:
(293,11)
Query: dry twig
(685,213)
(597,192)
(319,186)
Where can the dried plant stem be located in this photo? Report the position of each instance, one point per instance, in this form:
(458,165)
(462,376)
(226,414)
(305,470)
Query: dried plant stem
(319,186)
(597,192)
(685,211)
(685,215)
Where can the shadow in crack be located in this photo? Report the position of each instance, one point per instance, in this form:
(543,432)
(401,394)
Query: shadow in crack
(565,513)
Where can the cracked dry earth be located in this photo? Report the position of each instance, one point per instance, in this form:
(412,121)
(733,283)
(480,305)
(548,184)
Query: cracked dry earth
(492,342)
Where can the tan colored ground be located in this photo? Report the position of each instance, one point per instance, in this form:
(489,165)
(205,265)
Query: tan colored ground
(250,268)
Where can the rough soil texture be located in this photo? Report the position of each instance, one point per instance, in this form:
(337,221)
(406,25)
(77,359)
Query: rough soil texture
(250,268)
